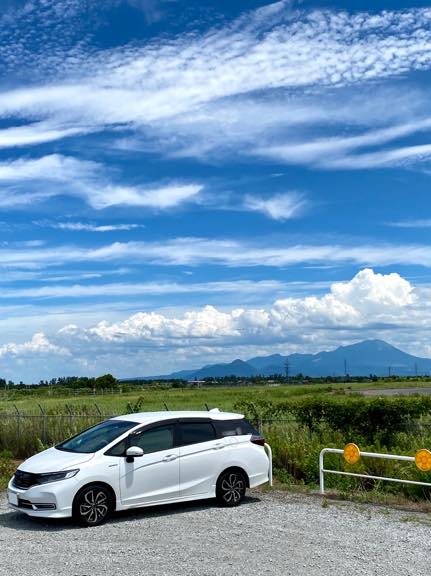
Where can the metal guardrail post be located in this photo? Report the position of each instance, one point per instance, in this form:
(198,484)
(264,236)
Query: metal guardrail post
(321,473)
(269,453)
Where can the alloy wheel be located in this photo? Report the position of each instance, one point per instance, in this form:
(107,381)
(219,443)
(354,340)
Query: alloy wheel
(93,506)
(232,488)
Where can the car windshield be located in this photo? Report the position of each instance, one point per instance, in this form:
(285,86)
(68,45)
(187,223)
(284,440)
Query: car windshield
(97,437)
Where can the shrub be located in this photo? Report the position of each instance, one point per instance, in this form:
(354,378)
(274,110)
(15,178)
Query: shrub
(7,468)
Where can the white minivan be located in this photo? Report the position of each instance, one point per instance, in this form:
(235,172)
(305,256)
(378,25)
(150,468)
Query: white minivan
(142,460)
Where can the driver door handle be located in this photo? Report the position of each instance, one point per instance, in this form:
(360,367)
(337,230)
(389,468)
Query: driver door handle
(219,446)
(169,458)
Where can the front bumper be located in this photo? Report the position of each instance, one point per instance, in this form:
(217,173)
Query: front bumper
(52,500)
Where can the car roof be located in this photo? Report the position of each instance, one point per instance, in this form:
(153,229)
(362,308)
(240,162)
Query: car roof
(149,417)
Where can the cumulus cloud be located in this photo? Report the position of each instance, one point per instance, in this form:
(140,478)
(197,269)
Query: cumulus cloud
(38,345)
(369,305)
(367,298)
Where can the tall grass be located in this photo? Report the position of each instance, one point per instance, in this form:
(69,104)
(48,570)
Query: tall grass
(296,460)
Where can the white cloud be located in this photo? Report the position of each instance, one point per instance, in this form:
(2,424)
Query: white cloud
(143,288)
(211,83)
(372,305)
(87,227)
(367,299)
(279,207)
(55,167)
(417,223)
(37,133)
(162,198)
(34,180)
(38,345)
(335,152)
(192,251)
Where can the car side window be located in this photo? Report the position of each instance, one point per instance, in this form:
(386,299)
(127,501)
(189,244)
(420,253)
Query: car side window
(196,432)
(154,440)
(119,449)
(235,428)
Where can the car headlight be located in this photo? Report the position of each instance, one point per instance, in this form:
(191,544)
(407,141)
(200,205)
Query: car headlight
(54,476)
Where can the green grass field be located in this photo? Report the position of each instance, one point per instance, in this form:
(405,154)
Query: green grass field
(57,401)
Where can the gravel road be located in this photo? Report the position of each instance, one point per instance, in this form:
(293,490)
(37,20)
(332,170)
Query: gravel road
(271,533)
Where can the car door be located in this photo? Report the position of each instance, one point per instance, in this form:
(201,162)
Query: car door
(201,457)
(153,477)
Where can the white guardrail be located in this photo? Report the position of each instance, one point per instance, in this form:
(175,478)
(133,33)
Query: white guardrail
(352,455)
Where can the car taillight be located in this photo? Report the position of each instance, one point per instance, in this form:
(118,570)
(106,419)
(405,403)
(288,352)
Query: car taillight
(260,440)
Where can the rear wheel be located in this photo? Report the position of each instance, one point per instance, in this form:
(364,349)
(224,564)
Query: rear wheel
(230,489)
(92,506)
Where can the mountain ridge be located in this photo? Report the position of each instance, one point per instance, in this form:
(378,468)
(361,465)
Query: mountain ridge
(362,358)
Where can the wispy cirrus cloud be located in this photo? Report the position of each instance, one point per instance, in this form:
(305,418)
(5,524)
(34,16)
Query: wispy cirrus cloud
(165,86)
(36,180)
(89,227)
(56,175)
(339,152)
(156,289)
(192,251)
(278,207)
(414,223)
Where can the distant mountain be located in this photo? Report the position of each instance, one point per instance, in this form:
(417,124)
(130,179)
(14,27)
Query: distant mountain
(235,368)
(360,359)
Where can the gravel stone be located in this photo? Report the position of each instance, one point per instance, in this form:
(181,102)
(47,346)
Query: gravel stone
(274,533)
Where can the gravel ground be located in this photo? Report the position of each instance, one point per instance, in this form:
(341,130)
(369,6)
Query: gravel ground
(271,533)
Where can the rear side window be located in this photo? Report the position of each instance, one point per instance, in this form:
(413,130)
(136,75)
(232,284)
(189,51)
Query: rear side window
(154,440)
(240,427)
(196,432)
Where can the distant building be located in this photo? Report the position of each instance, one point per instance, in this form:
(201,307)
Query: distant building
(196,383)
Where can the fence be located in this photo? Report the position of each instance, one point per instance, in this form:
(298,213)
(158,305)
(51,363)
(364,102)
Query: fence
(24,434)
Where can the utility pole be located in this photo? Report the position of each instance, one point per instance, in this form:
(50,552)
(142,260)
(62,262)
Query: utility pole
(389,371)
(416,369)
(345,369)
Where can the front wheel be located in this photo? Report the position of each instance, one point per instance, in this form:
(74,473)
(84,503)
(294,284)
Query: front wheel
(92,505)
(230,489)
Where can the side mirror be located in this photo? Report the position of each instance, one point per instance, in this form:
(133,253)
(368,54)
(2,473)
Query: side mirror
(133,452)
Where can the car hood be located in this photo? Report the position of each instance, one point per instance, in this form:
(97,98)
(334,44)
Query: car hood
(53,460)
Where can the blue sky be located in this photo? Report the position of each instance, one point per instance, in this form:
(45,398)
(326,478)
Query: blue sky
(186,182)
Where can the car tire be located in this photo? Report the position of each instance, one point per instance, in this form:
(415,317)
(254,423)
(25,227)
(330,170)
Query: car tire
(230,488)
(92,506)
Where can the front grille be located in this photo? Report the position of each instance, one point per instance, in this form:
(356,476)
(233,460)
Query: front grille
(25,479)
